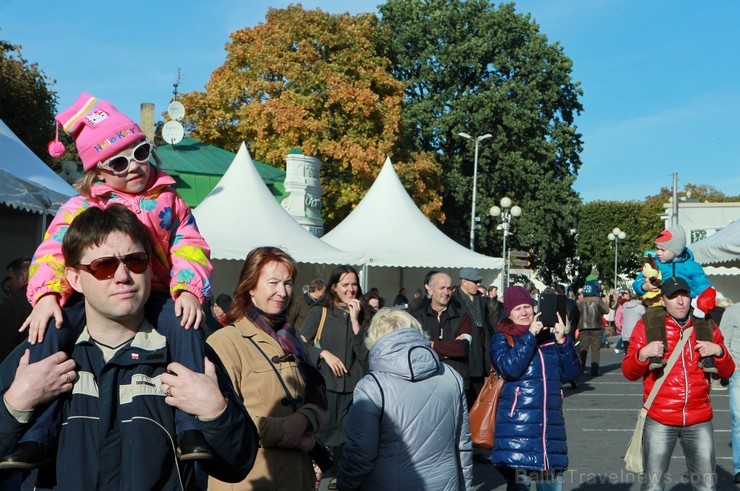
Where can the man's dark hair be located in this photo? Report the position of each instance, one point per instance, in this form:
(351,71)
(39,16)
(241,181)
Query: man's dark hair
(316,285)
(224,302)
(19,266)
(429,275)
(93,226)
(560,289)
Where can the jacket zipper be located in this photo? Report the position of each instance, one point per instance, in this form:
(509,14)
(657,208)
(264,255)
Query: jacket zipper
(544,410)
(513,406)
(685,376)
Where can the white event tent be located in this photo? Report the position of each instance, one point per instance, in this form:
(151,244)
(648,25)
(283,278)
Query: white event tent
(389,229)
(29,192)
(240,214)
(720,255)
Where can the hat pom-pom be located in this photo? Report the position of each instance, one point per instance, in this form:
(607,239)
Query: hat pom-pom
(56,148)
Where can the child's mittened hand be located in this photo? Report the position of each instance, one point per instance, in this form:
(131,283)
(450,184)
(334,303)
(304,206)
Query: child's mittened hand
(188,306)
(46,308)
(648,287)
(707,300)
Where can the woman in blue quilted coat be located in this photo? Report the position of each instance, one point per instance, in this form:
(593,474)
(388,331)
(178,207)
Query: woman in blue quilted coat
(530,443)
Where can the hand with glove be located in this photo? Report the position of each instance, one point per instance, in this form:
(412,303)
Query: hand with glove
(707,300)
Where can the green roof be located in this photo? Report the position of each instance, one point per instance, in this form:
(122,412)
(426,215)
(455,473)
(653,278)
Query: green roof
(197,167)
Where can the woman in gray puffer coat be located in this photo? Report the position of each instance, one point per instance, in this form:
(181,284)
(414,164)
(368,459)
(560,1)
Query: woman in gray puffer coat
(408,426)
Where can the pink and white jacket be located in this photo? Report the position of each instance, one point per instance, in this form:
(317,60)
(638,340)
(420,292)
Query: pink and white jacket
(180,259)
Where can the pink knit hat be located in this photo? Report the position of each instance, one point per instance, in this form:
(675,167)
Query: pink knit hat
(98,128)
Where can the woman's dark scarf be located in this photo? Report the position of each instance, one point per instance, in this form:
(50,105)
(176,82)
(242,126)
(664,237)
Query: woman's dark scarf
(508,327)
(277,327)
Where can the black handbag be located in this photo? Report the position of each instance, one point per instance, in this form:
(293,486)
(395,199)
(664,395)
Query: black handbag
(320,453)
(322,456)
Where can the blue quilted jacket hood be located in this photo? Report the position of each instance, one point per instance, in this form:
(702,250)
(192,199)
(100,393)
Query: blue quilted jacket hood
(405,354)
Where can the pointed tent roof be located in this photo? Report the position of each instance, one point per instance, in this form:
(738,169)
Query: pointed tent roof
(720,249)
(26,182)
(406,238)
(241,214)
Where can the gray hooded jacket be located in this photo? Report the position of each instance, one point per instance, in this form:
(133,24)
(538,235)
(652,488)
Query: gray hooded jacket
(408,427)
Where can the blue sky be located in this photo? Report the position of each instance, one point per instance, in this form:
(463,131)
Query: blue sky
(661,78)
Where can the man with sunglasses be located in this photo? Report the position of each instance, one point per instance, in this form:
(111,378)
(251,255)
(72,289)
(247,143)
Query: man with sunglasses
(118,430)
(115,155)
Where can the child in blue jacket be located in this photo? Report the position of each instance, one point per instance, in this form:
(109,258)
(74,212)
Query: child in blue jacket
(675,259)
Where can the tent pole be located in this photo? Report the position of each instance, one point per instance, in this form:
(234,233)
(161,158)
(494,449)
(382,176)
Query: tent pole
(42,230)
(363,278)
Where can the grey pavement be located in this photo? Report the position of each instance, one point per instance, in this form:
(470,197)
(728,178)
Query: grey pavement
(600,416)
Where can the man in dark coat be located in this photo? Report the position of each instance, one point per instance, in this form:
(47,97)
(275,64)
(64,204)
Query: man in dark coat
(572,315)
(472,302)
(299,307)
(495,307)
(449,329)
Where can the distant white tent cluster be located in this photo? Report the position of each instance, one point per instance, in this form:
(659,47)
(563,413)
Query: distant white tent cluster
(240,214)
(407,238)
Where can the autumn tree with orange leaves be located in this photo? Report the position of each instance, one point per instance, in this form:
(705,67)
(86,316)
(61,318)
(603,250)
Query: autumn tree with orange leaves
(319,82)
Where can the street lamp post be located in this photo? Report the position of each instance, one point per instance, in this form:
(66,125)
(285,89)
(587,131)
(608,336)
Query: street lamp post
(505,214)
(616,235)
(477,141)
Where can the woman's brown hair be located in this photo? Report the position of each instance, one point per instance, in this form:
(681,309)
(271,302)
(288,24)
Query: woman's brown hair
(336,275)
(250,275)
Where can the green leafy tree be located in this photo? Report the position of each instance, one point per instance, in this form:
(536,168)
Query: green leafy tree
(597,220)
(319,82)
(472,67)
(27,102)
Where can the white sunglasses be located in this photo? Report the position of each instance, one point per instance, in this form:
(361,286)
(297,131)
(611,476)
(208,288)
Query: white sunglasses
(120,163)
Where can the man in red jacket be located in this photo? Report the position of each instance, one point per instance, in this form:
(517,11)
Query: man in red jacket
(682,408)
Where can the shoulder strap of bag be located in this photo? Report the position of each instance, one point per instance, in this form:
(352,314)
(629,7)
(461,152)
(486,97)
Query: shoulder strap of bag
(510,340)
(671,361)
(282,382)
(317,338)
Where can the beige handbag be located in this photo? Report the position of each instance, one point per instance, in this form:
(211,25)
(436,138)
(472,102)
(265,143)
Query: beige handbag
(633,458)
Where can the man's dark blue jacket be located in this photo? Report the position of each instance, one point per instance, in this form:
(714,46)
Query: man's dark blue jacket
(119,434)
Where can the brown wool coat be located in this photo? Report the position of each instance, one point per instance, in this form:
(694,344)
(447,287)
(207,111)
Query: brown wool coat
(263,395)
